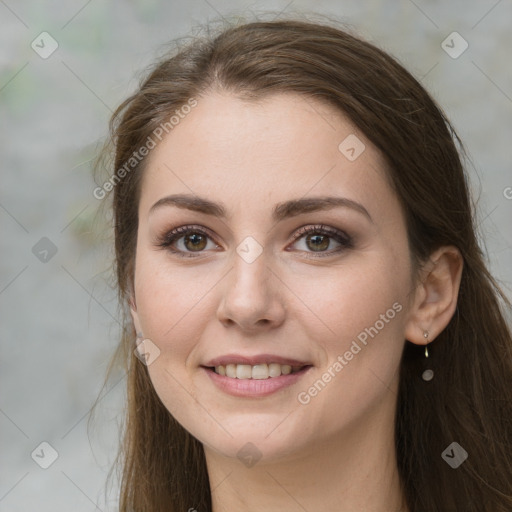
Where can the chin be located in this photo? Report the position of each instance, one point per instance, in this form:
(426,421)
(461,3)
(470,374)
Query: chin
(251,450)
(263,437)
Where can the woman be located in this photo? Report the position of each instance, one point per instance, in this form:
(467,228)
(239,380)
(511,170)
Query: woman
(313,322)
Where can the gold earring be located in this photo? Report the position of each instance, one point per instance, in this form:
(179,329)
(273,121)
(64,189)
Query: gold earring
(428,374)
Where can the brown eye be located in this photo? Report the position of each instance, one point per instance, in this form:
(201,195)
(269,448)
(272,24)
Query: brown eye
(197,241)
(193,240)
(317,239)
(319,242)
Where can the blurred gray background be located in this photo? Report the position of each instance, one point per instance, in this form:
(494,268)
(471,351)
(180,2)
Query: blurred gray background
(59,322)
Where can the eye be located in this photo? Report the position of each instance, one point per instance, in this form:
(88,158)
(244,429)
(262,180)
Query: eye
(195,240)
(319,238)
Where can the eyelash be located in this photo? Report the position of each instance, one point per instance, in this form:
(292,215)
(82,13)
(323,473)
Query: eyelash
(345,240)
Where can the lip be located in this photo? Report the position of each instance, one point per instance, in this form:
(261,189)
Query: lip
(254,388)
(254,360)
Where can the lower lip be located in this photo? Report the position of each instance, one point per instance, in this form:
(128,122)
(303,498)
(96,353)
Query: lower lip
(254,387)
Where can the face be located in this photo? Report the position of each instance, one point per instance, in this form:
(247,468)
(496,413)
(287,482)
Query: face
(273,280)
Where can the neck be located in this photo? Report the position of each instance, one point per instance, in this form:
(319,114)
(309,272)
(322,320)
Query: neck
(352,470)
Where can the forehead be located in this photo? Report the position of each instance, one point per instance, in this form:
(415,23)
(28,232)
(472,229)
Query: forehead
(281,146)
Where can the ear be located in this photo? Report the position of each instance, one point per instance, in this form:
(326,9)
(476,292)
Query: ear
(135,315)
(436,295)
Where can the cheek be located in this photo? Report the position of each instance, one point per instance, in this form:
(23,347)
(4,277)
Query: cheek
(170,311)
(166,295)
(364,307)
(351,299)
(170,307)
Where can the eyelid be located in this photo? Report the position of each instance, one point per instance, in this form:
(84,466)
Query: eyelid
(307,228)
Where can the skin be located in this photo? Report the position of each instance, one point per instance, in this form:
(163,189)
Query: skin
(335,453)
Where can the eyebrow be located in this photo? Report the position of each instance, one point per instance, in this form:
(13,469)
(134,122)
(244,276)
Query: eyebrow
(280,212)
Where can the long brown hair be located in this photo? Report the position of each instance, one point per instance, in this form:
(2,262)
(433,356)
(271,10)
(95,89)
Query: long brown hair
(470,399)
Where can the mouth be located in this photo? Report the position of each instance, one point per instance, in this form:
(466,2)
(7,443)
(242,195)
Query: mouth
(255,376)
(261,371)
(257,380)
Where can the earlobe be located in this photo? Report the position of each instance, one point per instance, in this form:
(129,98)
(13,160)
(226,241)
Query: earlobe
(135,315)
(131,303)
(436,295)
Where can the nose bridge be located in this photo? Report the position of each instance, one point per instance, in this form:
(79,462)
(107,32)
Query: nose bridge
(250,295)
(251,274)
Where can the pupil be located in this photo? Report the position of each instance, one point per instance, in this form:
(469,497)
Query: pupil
(317,241)
(196,240)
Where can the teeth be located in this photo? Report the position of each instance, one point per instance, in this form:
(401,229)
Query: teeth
(243,371)
(274,370)
(258,371)
(230,371)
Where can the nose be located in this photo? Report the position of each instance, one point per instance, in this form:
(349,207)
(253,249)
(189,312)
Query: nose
(252,297)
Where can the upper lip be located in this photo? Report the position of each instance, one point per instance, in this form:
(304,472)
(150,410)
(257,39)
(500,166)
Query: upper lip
(254,360)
